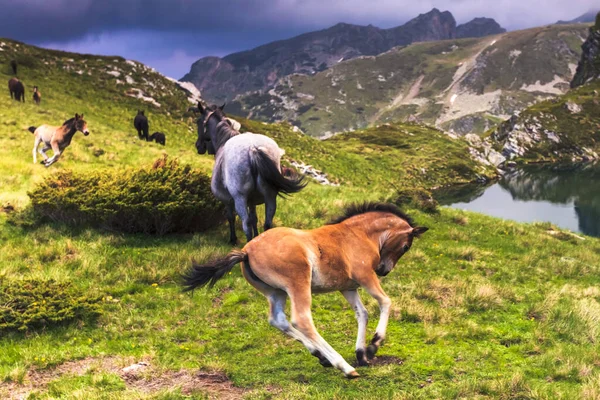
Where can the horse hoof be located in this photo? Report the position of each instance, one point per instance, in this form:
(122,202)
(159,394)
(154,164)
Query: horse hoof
(361,358)
(325,363)
(352,375)
(371,351)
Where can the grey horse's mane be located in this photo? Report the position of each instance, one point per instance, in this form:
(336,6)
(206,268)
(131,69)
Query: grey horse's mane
(224,131)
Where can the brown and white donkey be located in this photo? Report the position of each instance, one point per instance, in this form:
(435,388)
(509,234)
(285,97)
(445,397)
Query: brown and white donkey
(56,138)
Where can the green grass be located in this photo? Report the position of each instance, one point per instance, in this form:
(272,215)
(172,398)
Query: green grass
(481,308)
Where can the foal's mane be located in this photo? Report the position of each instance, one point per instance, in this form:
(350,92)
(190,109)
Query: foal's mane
(358,209)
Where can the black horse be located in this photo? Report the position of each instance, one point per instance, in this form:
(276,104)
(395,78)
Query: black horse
(16,89)
(158,137)
(141,124)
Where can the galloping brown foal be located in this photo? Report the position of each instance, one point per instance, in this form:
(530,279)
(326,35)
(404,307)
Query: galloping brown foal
(56,138)
(368,240)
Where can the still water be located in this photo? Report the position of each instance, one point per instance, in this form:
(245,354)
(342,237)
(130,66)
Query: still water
(567,196)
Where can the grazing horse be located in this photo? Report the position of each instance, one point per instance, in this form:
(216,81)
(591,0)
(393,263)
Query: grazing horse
(247,170)
(348,253)
(158,137)
(13,65)
(56,138)
(16,89)
(37,95)
(140,122)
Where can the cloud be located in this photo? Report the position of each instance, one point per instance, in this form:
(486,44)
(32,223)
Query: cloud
(62,20)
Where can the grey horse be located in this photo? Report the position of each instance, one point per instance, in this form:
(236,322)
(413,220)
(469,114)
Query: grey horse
(247,170)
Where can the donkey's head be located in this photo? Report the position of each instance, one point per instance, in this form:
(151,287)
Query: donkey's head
(207,127)
(80,124)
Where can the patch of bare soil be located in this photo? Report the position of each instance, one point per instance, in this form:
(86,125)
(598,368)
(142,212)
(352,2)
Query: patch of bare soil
(386,360)
(140,376)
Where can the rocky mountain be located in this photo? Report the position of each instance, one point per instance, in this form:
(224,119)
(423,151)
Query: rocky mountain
(566,128)
(460,85)
(589,65)
(588,17)
(222,79)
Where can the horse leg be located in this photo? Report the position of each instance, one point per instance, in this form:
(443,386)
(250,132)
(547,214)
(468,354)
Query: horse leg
(36,144)
(241,207)
(43,151)
(270,208)
(373,287)
(230,210)
(253,219)
(303,322)
(55,156)
(362,317)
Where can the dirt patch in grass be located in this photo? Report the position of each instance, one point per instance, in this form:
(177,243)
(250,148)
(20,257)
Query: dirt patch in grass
(386,360)
(140,376)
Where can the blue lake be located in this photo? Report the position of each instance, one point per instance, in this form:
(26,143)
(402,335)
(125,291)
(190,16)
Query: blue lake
(567,196)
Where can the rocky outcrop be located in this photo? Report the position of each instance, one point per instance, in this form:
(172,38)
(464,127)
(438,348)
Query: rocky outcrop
(479,27)
(260,68)
(589,66)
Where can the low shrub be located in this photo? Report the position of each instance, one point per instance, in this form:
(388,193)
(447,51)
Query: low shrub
(30,304)
(166,198)
(418,198)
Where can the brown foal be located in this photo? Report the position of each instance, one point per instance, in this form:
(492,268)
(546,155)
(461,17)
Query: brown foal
(368,240)
(56,138)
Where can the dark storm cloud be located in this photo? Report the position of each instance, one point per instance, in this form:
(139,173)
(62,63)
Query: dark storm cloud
(59,20)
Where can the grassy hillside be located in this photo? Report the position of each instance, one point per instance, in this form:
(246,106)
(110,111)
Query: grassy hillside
(462,85)
(481,308)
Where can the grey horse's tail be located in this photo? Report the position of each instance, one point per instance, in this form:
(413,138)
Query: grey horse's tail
(267,169)
(32,129)
(200,275)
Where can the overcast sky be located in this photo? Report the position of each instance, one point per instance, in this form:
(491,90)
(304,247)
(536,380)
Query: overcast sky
(171,34)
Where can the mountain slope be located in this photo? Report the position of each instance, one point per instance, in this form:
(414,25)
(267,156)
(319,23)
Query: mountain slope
(222,79)
(465,85)
(566,128)
(588,17)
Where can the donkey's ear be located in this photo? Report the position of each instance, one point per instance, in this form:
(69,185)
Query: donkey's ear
(418,231)
(223,106)
(200,108)
(76,117)
(81,116)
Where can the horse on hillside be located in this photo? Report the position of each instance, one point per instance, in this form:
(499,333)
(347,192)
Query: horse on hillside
(16,89)
(247,170)
(37,95)
(56,138)
(13,65)
(348,253)
(140,122)
(158,137)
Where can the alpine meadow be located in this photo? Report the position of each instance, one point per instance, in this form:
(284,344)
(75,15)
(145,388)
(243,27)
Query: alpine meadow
(94,247)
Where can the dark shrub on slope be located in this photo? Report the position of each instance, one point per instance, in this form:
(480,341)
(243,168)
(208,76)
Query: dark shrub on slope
(166,198)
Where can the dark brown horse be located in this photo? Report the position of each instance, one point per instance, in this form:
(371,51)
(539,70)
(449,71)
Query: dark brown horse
(16,89)
(158,137)
(140,122)
(350,252)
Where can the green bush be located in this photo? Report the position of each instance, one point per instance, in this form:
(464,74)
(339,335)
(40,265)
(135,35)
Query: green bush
(29,304)
(420,199)
(166,198)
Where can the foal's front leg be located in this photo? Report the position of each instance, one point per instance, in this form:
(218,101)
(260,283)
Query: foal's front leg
(363,318)
(373,287)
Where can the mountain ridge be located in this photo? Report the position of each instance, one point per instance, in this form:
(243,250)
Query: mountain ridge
(221,79)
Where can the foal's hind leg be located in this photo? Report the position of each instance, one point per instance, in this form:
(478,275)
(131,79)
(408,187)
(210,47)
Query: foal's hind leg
(362,317)
(36,144)
(43,151)
(303,322)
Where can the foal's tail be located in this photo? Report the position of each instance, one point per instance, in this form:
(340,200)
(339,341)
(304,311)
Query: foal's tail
(209,273)
(268,170)
(32,129)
